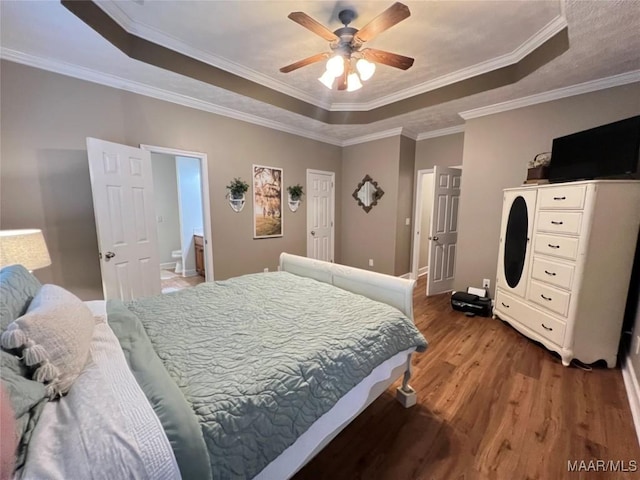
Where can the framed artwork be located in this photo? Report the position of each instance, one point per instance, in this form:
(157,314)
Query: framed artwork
(267,202)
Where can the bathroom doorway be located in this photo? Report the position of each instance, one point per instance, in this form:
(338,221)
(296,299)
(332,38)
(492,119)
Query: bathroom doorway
(182,217)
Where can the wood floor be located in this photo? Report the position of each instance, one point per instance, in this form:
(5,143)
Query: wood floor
(492,404)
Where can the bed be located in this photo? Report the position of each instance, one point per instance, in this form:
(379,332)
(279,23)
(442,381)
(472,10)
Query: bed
(245,378)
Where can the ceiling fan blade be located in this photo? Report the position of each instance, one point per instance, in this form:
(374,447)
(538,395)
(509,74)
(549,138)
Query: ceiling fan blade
(318,57)
(387,19)
(310,24)
(387,58)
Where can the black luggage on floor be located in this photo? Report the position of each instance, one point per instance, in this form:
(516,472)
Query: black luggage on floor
(470,303)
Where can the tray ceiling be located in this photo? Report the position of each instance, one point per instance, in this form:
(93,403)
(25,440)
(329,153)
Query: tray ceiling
(450,40)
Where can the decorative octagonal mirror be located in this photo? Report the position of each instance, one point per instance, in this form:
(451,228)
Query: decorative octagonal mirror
(367,193)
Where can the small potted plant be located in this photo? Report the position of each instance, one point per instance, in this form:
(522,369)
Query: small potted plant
(236,195)
(295,195)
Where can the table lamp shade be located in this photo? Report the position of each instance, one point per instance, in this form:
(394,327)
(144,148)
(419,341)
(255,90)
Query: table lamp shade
(24,247)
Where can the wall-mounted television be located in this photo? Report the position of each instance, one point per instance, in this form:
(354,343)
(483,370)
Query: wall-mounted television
(608,151)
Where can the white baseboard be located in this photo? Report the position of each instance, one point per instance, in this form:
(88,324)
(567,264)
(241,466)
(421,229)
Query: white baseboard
(189,273)
(168,266)
(406,275)
(423,271)
(629,375)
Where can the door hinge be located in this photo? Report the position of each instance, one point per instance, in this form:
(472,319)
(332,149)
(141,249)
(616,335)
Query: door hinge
(332,224)
(331,184)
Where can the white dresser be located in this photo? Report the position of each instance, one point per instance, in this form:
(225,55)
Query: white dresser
(565,259)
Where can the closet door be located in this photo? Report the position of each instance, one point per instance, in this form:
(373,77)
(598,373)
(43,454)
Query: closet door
(515,240)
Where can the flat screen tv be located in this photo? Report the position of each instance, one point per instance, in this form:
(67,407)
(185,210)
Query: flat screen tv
(608,151)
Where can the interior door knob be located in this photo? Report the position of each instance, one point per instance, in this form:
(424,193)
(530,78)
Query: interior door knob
(435,239)
(108,256)
(313,232)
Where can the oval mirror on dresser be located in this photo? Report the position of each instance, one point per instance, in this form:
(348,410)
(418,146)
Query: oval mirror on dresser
(515,247)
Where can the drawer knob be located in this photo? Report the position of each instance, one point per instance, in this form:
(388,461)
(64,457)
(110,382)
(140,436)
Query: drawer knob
(553,246)
(560,198)
(546,328)
(553,274)
(548,299)
(504,305)
(553,222)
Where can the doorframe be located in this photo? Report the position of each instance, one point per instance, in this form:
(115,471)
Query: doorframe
(206,203)
(332,209)
(417,223)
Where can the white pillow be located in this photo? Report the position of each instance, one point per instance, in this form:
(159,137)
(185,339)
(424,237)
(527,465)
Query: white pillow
(54,335)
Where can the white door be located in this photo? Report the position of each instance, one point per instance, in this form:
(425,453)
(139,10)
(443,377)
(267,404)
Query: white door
(122,187)
(320,214)
(443,234)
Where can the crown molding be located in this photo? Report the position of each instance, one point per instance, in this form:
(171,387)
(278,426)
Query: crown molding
(409,134)
(372,136)
(441,132)
(547,32)
(586,87)
(153,92)
(152,34)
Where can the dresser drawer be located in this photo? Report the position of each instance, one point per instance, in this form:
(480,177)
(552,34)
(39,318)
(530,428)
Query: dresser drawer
(564,197)
(563,247)
(534,320)
(549,297)
(555,273)
(559,222)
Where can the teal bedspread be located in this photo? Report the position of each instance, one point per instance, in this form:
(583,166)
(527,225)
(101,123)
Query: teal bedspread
(259,358)
(175,414)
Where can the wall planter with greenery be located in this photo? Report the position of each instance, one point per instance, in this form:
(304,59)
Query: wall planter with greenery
(295,196)
(236,193)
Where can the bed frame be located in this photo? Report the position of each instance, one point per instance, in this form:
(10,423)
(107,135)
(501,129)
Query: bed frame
(393,291)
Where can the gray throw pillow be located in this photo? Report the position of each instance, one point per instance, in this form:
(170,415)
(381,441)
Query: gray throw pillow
(53,337)
(17,289)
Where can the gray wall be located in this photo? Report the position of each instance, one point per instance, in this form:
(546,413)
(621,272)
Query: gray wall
(445,151)
(381,234)
(165,189)
(405,205)
(370,235)
(45,175)
(496,151)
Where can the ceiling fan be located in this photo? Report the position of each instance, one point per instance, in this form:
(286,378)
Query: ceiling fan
(346,44)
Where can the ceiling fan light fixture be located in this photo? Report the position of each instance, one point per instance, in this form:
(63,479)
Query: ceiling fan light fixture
(346,44)
(353,82)
(365,68)
(327,79)
(335,65)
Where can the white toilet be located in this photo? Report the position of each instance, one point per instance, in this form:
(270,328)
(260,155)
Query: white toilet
(177,256)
